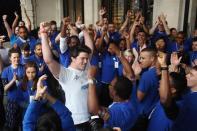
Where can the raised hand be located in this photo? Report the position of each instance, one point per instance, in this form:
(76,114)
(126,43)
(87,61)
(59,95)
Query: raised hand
(41,90)
(126,35)
(129,14)
(142,20)
(162,59)
(4,17)
(174,60)
(66,21)
(15,13)
(102,11)
(45,27)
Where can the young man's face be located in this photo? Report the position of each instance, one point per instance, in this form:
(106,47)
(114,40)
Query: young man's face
(26,53)
(81,60)
(160,44)
(146,60)
(141,37)
(15,58)
(179,39)
(194,46)
(38,50)
(23,33)
(192,79)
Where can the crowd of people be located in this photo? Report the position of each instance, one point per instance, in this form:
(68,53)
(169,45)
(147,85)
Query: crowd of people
(98,77)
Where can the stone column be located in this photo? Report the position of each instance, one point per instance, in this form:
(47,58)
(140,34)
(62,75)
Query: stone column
(91,8)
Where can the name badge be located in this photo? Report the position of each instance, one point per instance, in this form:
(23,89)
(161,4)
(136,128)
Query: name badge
(99,65)
(116,64)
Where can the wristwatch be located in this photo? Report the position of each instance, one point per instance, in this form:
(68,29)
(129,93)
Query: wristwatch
(91,81)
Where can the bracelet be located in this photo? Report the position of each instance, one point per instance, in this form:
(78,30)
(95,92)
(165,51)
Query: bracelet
(164,68)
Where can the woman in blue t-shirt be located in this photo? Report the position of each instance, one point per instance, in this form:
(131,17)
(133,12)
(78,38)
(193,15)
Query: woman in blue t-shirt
(10,79)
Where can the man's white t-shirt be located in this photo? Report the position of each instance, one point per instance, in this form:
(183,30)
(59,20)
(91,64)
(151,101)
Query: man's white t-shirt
(75,85)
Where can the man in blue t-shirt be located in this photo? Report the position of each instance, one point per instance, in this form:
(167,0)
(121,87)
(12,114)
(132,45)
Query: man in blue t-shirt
(121,112)
(147,92)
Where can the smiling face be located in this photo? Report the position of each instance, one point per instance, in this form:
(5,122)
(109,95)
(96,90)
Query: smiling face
(146,60)
(31,73)
(15,59)
(81,60)
(192,79)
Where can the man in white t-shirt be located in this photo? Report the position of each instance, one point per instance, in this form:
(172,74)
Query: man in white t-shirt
(74,79)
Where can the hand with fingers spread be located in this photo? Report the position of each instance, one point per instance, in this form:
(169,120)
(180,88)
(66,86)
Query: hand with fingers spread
(126,35)
(41,90)
(129,14)
(142,19)
(162,59)
(66,21)
(174,60)
(102,11)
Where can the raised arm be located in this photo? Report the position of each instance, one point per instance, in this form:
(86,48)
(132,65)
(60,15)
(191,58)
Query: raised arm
(163,20)
(133,31)
(164,90)
(63,35)
(126,66)
(152,30)
(93,105)
(53,66)
(142,20)
(15,22)
(88,40)
(27,20)
(128,16)
(7,26)
(102,11)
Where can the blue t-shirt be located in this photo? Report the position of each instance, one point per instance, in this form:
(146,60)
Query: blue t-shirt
(65,58)
(13,38)
(158,120)
(109,71)
(148,84)
(34,111)
(39,62)
(24,60)
(55,45)
(187,117)
(115,36)
(14,93)
(192,56)
(96,61)
(31,41)
(157,34)
(122,114)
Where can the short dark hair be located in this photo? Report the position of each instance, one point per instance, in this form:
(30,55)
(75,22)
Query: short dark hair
(25,47)
(123,87)
(49,121)
(14,50)
(179,83)
(194,39)
(152,51)
(171,29)
(73,37)
(53,22)
(76,50)
(23,27)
